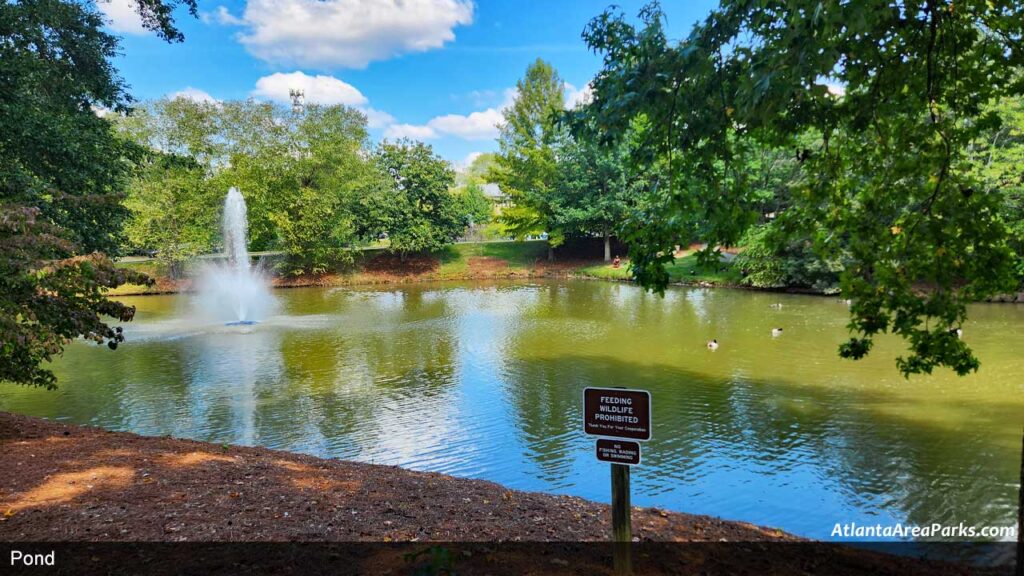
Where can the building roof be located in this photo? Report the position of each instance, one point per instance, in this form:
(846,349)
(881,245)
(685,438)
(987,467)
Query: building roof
(492,191)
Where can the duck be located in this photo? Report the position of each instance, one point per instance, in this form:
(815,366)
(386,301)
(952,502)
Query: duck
(777,305)
(776,332)
(959,333)
(713,345)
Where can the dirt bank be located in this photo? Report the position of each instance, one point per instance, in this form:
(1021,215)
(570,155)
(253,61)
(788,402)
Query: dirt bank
(390,269)
(69,482)
(72,483)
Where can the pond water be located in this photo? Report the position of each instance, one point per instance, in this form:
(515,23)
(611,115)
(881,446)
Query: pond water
(484,380)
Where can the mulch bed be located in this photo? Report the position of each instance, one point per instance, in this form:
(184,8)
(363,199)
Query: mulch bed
(72,483)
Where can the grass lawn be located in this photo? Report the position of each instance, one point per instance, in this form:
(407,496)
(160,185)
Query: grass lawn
(518,255)
(606,271)
(684,269)
(687,269)
(151,268)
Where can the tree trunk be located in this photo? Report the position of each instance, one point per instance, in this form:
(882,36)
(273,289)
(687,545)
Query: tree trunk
(401,256)
(551,252)
(176,269)
(607,246)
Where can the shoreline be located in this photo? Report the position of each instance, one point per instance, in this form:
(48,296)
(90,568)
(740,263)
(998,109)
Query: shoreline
(112,478)
(506,260)
(167,286)
(277,283)
(71,483)
(515,261)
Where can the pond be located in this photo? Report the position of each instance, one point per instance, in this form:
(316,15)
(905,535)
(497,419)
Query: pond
(484,380)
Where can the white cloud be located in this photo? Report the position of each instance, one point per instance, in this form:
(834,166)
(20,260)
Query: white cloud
(346,33)
(482,125)
(396,131)
(326,90)
(194,94)
(574,97)
(121,16)
(465,163)
(510,96)
(481,98)
(318,89)
(221,16)
(377,118)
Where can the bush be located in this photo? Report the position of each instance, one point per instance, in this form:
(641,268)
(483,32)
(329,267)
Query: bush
(769,261)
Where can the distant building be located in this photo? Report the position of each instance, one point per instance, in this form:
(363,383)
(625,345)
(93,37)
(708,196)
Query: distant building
(493,193)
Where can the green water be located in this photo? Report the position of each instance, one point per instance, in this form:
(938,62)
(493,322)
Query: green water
(484,380)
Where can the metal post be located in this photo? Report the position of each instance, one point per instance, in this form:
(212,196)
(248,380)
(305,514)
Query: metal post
(622,526)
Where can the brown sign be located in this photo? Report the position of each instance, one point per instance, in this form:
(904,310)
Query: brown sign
(617,413)
(618,451)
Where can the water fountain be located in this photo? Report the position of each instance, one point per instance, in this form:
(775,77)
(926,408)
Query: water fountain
(233,291)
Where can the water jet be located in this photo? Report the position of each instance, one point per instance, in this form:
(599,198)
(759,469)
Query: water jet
(232,291)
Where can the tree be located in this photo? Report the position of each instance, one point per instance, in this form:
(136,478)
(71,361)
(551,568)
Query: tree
(476,208)
(594,190)
(62,172)
(173,208)
(478,170)
(997,160)
(526,166)
(766,262)
(258,155)
(158,16)
(414,206)
(298,172)
(326,171)
(893,96)
(772,257)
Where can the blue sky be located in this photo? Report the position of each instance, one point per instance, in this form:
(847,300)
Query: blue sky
(434,70)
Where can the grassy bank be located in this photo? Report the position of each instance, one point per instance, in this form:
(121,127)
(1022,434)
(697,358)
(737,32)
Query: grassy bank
(468,261)
(685,270)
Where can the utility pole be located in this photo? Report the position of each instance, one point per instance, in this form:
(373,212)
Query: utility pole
(298,100)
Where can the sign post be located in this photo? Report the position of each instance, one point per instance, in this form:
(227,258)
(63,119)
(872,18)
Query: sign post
(618,413)
(622,524)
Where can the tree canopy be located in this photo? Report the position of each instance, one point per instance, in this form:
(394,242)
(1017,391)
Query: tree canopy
(301,174)
(526,165)
(415,207)
(62,173)
(879,104)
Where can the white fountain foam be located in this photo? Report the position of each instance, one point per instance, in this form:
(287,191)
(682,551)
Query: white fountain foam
(233,291)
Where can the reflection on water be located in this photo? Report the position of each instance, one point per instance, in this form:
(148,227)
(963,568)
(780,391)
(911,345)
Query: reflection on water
(485,380)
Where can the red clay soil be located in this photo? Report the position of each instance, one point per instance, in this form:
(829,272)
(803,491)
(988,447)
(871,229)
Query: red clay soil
(394,265)
(390,269)
(71,483)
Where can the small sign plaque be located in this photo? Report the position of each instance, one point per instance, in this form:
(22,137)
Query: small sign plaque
(618,451)
(617,413)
